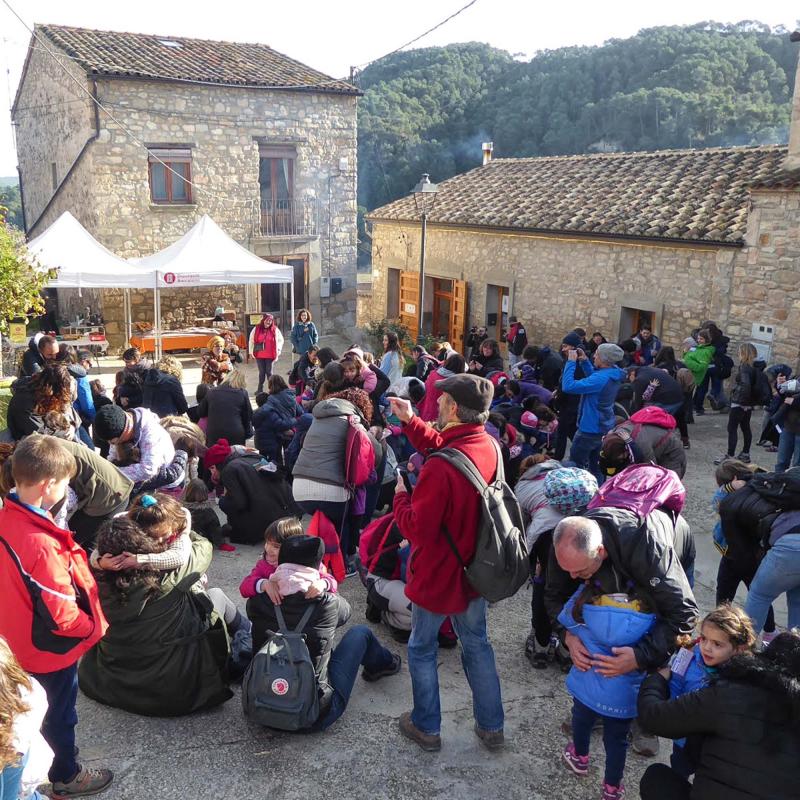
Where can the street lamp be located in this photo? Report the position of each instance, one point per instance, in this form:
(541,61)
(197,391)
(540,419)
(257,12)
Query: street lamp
(424,200)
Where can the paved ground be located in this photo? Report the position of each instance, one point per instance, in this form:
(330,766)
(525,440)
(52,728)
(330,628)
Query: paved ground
(219,755)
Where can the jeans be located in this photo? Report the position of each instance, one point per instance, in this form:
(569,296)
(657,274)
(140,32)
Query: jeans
(585,453)
(739,418)
(615,738)
(264,371)
(358,648)
(659,782)
(788,451)
(779,572)
(730,574)
(85,437)
(60,720)
(477,658)
(717,391)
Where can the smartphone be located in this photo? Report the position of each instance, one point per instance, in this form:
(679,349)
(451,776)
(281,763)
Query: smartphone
(404,475)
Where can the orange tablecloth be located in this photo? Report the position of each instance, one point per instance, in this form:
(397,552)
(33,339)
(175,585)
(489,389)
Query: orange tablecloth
(176,340)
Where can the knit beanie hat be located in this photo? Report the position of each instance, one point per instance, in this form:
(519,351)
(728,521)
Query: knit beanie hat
(610,353)
(109,423)
(568,490)
(217,453)
(689,341)
(572,339)
(307,551)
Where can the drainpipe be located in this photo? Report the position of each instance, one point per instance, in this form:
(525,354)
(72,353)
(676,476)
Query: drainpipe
(22,200)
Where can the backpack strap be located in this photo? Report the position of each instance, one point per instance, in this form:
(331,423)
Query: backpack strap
(300,625)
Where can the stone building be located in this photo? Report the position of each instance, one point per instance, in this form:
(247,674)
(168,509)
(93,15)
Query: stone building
(606,242)
(262,143)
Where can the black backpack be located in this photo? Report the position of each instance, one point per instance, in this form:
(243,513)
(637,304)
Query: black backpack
(762,391)
(294,375)
(500,565)
(723,366)
(782,489)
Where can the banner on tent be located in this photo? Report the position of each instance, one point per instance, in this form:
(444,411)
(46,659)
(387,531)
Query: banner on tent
(180,279)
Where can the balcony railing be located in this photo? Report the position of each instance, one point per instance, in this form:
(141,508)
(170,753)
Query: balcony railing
(288,218)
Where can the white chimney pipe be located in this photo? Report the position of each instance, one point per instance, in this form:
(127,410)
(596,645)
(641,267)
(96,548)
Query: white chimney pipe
(488,147)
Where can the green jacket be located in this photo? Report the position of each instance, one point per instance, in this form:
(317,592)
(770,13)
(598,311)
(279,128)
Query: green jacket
(164,655)
(697,361)
(101,488)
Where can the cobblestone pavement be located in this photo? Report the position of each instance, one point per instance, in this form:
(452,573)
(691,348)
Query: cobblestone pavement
(219,755)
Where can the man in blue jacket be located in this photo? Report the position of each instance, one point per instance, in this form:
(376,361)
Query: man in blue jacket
(596,410)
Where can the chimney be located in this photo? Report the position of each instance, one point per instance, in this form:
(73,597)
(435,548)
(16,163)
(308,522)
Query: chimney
(793,158)
(489,146)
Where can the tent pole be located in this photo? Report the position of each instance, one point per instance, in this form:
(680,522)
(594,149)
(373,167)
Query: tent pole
(291,304)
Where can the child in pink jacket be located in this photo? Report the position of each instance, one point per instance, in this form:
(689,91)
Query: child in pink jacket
(258,579)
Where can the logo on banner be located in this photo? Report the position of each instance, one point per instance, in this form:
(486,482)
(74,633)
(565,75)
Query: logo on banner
(169,278)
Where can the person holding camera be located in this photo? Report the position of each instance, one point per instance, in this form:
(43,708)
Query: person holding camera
(787,420)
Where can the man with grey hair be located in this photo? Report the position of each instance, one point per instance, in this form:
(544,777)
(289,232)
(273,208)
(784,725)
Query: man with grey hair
(440,520)
(619,551)
(598,391)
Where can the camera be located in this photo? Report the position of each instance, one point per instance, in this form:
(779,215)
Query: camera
(790,388)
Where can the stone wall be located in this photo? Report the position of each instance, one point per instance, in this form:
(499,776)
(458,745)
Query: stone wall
(556,283)
(110,192)
(54,119)
(766,284)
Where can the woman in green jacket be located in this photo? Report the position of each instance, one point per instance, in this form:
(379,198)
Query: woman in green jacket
(165,653)
(698,358)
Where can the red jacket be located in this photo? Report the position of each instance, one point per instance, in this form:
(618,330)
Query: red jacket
(58,584)
(442,497)
(429,406)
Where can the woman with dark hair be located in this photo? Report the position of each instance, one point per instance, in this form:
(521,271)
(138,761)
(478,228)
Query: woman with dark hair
(166,649)
(392,361)
(743,729)
(488,361)
(429,407)
(50,389)
(304,334)
(595,342)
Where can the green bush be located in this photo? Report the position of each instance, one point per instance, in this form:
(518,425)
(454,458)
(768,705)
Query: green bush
(376,329)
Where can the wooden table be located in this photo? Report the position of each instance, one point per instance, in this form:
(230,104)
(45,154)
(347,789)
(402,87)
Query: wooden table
(191,339)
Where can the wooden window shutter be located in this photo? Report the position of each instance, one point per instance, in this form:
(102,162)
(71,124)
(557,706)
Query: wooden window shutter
(458,316)
(409,302)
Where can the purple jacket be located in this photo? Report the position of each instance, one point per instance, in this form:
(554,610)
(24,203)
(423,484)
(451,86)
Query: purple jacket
(533,389)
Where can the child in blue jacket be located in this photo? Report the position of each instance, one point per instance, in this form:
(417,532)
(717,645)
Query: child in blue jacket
(603,622)
(274,418)
(724,633)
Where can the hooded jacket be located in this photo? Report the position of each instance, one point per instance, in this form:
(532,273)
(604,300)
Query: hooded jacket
(21,418)
(749,723)
(51,614)
(652,431)
(164,654)
(32,360)
(603,628)
(598,391)
(443,498)
(278,414)
(533,501)
(163,394)
(304,336)
(697,361)
(746,518)
(154,443)
(429,407)
(654,556)
(548,369)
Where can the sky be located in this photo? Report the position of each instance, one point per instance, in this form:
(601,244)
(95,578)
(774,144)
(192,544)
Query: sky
(333,35)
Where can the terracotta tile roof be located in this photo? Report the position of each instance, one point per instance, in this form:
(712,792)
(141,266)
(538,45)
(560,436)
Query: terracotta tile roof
(175,58)
(687,195)
(784,179)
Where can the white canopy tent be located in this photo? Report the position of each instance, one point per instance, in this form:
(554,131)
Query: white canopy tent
(206,256)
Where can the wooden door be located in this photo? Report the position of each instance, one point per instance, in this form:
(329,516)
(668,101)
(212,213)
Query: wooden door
(409,302)
(458,315)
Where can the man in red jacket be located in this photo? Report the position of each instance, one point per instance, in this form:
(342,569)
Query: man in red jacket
(50,613)
(443,499)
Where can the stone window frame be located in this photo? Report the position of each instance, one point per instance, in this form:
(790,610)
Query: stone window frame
(171,155)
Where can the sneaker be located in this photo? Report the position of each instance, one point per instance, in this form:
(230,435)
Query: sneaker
(712,401)
(392,669)
(350,566)
(578,764)
(613,792)
(86,782)
(563,658)
(539,655)
(699,412)
(227,547)
(686,443)
(745,457)
(725,457)
(429,742)
(763,443)
(242,642)
(771,449)
(643,743)
(491,740)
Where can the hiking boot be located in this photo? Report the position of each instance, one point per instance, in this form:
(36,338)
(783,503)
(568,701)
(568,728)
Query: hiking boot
(491,740)
(744,457)
(86,782)
(392,669)
(725,457)
(578,764)
(642,742)
(429,742)
(613,792)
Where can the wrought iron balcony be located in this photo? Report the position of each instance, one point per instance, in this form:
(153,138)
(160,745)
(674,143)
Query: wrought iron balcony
(288,218)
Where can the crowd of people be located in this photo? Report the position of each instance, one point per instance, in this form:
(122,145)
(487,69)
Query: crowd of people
(570,458)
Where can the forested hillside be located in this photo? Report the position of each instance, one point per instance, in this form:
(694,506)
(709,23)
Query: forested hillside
(707,85)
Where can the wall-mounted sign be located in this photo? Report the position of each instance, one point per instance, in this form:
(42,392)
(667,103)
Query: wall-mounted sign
(410,308)
(17,332)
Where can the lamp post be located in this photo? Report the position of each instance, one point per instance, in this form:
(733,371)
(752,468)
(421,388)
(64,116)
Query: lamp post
(424,200)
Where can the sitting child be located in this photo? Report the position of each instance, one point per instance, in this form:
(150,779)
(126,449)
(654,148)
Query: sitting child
(356,373)
(603,622)
(336,669)
(724,633)
(276,534)
(205,519)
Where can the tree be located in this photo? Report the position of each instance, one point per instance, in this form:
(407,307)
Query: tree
(10,199)
(21,282)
